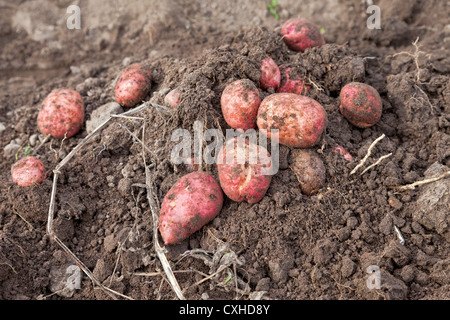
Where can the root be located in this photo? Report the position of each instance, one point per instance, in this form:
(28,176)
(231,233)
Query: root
(154,208)
(56,172)
(25,220)
(416,55)
(412,186)
(315,85)
(377,162)
(369,152)
(41,144)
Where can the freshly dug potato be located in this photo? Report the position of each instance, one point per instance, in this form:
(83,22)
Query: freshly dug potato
(173,98)
(360,104)
(309,169)
(291,83)
(243,171)
(191,203)
(28,171)
(133,85)
(300,34)
(299,119)
(270,74)
(62,114)
(240,102)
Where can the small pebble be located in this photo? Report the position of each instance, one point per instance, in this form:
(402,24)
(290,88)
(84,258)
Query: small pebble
(33,139)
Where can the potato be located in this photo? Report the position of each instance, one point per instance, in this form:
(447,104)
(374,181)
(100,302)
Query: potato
(192,202)
(344,153)
(299,119)
(62,114)
(309,169)
(28,172)
(360,104)
(242,174)
(133,85)
(291,83)
(173,98)
(270,74)
(240,102)
(300,34)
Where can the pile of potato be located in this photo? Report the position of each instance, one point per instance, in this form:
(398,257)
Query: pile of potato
(287,114)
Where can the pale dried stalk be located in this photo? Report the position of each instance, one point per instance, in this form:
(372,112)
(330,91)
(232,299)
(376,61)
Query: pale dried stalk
(412,186)
(51,210)
(415,56)
(369,152)
(154,208)
(41,144)
(126,117)
(376,163)
(91,276)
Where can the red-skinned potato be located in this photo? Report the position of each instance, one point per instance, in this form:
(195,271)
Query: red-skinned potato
(360,104)
(291,83)
(243,171)
(344,153)
(270,74)
(309,169)
(300,34)
(240,102)
(192,202)
(173,98)
(28,172)
(133,85)
(62,114)
(299,119)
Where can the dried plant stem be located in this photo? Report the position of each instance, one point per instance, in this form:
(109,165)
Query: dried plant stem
(25,220)
(91,276)
(412,186)
(41,144)
(219,270)
(138,140)
(369,152)
(126,117)
(159,273)
(51,210)
(427,99)
(376,163)
(154,208)
(415,56)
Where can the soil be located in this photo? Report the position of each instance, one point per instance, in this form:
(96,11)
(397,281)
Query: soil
(287,246)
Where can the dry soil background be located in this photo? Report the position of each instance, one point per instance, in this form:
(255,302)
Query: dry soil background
(288,246)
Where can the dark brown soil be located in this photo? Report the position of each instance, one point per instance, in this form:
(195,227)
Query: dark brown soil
(288,246)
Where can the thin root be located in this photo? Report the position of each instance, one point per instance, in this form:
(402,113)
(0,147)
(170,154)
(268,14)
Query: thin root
(113,294)
(152,200)
(376,163)
(412,186)
(369,152)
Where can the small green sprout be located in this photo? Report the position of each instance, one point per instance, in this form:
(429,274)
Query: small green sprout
(27,150)
(228,278)
(98,147)
(273,8)
(322,30)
